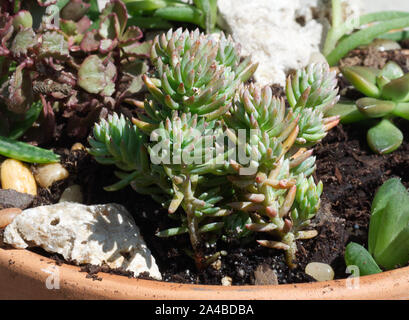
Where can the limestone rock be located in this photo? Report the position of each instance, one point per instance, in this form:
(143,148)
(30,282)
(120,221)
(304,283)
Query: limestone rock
(84,234)
(281,35)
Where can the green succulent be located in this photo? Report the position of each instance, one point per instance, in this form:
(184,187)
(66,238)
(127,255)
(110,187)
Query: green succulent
(388,232)
(387,97)
(195,74)
(276,188)
(231,156)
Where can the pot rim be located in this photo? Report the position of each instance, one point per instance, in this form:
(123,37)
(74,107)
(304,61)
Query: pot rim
(23,275)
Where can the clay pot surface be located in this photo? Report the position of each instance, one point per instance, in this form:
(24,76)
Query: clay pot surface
(25,275)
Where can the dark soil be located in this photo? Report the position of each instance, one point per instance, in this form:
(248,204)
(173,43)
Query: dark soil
(351,174)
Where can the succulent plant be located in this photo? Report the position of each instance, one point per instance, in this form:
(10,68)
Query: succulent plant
(388,232)
(387,97)
(71,66)
(196,112)
(158,14)
(343,35)
(274,188)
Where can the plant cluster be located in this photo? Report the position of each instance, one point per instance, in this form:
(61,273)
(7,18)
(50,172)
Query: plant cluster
(230,155)
(55,60)
(388,232)
(387,97)
(159,14)
(342,37)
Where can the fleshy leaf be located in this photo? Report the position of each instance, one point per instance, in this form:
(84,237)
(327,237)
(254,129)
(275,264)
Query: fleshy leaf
(20,91)
(357,255)
(375,108)
(397,89)
(118,8)
(348,111)
(363,79)
(385,137)
(402,110)
(54,45)
(110,28)
(90,42)
(391,188)
(138,49)
(131,34)
(74,10)
(392,71)
(23,41)
(22,19)
(95,77)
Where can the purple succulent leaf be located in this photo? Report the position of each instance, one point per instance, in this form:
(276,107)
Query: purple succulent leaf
(83,24)
(90,42)
(138,49)
(74,10)
(5,34)
(20,93)
(46,3)
(24,40)
(109,27)
(22,19)
(53,45)
(131,35)
(110,77)
(97,77)
(117,7)
(107,45)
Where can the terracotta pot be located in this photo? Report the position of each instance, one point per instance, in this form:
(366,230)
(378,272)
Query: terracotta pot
(23,275)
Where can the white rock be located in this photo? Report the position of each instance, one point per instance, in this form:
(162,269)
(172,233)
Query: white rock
(269,32)
(85,234)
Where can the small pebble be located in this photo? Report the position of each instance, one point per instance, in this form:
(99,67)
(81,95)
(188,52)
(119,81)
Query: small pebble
(17,176)
(227,281)
(217,264)
(72,194)
(384,45)
(7,216)
(320,271)
(47,174)
(77,146)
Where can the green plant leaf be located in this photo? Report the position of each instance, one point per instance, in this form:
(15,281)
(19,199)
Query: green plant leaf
(385,137)
(20,127)
(392,71)
(397,89)
(96,77)
(389,226)
(26,152)
(348,111)
(402,110)
(375,108)
(363,79)
(23,41)
(364,36)
(382,197)
(357,255)
(182,14)
(54,45)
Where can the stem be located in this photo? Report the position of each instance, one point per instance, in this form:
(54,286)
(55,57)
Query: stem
(336,13)
(290,254)
(192,221)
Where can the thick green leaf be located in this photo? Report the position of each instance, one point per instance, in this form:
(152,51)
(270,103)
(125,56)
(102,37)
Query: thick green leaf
(397,89)
(393,220)
(357,255)
(397,252)
(22,19)
(25,152)
(382,197)
(364,36)
(375,108)
(402,110)
(385,137)
(20,127)
(363,79)
(96,77)
(182,14)
(23,41)
(54,45)
(392,71)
